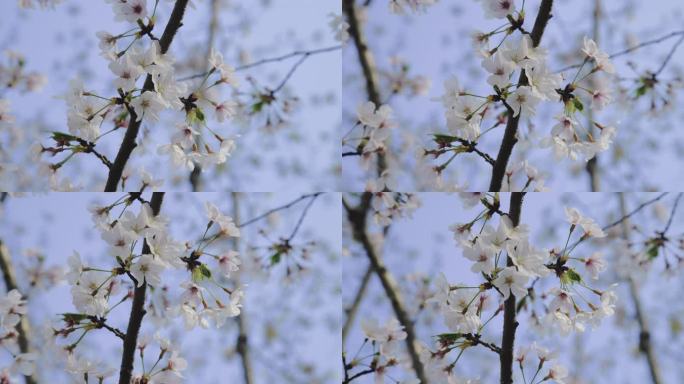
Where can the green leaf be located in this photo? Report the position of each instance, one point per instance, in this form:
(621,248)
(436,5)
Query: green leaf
(61,136)
(641,91)
(449,338)
(443,139)
(195,116)
(74,317)
(578,104)
(257,107)
(652,251)
(200,273)
(275,258)
(570,277)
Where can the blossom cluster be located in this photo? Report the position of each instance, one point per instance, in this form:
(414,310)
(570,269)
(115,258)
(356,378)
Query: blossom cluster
(12,310)
(141,248)
(29,4)
(143,58)
(400,6)
(521,81)
(511,265)
(388,206)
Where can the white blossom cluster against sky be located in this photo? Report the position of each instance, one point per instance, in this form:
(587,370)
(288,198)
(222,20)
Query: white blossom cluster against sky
(61,43)
(421,246)
(291,330)
(320,191)
(435,44)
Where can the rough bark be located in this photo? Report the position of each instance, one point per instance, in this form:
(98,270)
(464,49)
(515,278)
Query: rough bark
(128,144)
(357,218)
(510,323)
(137,310)
(510,134)
(367,64)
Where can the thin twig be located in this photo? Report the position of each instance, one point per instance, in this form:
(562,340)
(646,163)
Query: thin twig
(242,344)
(672,213)
(350,312)
(280,208)
(195,177)
(645,345)
(632,49)
(357,218)
(272,60)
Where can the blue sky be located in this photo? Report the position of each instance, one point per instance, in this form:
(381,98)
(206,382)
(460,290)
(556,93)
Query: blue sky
(437,44)
(422,246)
(61,44)
(303,325)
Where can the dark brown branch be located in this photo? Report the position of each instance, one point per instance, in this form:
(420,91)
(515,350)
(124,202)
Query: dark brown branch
(645,345)
(510,323)
(510,135)
(357,218)
(23,328)
(367,66)
(137,308)
(128,144)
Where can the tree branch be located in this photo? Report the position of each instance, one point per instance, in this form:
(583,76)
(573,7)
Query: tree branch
(510,139)
(23,328)
(592,164)
(137,309)
(510,323)
(128,144)
(357,218)
(280,208)
(645,345)
(242,344)
(351,310)
(195,177)
(367,66)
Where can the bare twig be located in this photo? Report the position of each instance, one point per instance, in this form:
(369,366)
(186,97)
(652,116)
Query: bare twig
(196,173)
(351,310)
(276,59)
(634,48)
(645,345)
(357,218)
(242,344)
(592,164)
(280,208)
